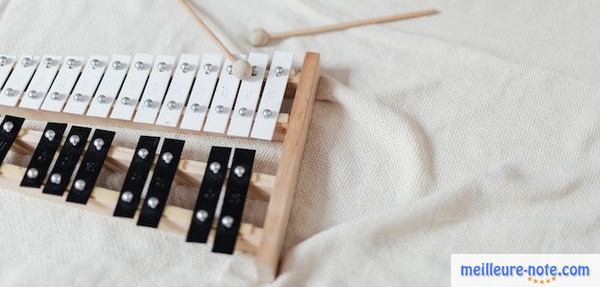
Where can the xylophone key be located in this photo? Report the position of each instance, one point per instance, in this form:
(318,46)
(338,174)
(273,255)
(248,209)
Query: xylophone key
(179,90)
(160,184)
(209,193)
(63,84)
(41,82)
(69,155)
(7,63)
(133,87)
(154,92)
(86,85)
(18,80)
(90,167)
(222,102)
(272,96)
(202,91)
(131,191)
(9,130)
(109,87)
(43,155)
(233,203)
(247,99)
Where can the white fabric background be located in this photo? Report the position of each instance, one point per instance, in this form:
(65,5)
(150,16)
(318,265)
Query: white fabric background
(476,130)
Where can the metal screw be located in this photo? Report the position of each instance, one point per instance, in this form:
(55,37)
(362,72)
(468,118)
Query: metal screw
(32,173)
(215,167)
(127,196)
(227,221)
(153,202)
(79,184)
(239,171)
(201,215)
(143,153)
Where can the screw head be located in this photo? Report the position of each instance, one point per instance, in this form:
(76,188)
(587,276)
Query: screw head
(267,113)
(55,178)
(142,153)
(229,69)
(55,96)
(9,92)
(279,70)
(243,112)
(71,63)
(101,99)
(74,140)
(227,221)
(78,97)
(3,60)
(167,157)
(239,171)
(117,65)
(219,109)
(127,196)
(98,143)
(185,67)
(26,61)
(195,107)
(125,100)
(50,134)
(32,94)
(201,215)
(153,202)
(208,68)
(148,103)
(8,126)
(95,63)
(32,173)
(139,65)
(215,167)
(171,105)
(79,184)
(162,66)
(48,62)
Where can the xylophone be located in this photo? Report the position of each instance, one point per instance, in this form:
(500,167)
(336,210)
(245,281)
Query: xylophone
(193,94)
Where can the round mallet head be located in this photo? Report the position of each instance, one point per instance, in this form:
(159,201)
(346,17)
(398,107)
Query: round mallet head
(241,69)
(259,37)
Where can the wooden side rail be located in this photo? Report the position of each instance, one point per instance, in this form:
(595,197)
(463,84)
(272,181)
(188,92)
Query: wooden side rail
(286,177)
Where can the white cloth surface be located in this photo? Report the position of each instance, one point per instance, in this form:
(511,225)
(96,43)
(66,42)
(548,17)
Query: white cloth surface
(475,130)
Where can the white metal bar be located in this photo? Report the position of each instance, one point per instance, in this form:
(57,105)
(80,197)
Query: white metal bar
(179,90)
(272,96)
(18,80)
(155,90)
(41,82)
(222,103)
(247,98)
(133,87)
(7,62)
(63,84)
(202,92)
(86,85)
(109,87)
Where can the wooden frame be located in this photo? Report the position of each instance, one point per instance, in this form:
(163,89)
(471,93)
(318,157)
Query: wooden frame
(265,242)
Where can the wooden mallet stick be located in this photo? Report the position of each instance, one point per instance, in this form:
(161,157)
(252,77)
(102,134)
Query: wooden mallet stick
(260,37)
(241,69)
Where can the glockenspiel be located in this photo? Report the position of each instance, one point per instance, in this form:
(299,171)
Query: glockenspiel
(83,98)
